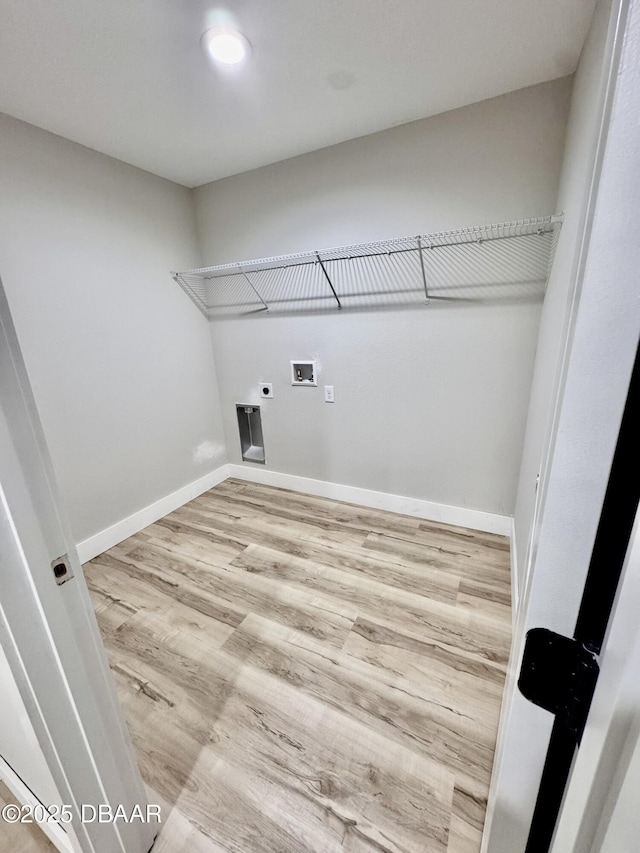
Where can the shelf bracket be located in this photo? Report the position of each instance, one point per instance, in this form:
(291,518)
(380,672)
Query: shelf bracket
(326,275)
(250,283)
(424,275)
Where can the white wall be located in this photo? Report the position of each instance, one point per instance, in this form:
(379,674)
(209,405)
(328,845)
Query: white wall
(578,163)
(119,359)
(429,403)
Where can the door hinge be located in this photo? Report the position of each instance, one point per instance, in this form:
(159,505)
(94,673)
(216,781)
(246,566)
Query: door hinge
(559,674)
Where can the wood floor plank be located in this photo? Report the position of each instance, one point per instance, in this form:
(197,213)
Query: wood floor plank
(215,545)
(307,527)
(320,510)
(20,837)
(432,583)
(413,553)
(320,616)
(493,541)
(393,706)
(469,804)
(318,766)
(177,834)
(462,837)
(430,676)
(404,644)
(495,610)
(210,548)
(500,593)
(248,523)
(115,586)
(466,629)
(301,674)
(199,600)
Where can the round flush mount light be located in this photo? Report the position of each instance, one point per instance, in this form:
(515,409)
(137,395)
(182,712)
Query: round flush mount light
(226,46)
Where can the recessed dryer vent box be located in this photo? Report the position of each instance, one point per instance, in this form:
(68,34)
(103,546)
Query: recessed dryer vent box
(304,373)
(250,428)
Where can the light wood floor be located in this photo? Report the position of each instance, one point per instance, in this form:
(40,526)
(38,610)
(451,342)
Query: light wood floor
(301,675)
(20,837)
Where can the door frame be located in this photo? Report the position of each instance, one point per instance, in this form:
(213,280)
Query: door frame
(601,343)
(49,633)
(613,725)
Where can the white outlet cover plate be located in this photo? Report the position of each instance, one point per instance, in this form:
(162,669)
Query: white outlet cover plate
(266,390)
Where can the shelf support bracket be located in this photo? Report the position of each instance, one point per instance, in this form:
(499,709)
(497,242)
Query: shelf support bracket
(326,275)
(250,283)
(424,275)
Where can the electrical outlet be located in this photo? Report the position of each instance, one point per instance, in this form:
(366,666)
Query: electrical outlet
(329,396)
(266,390)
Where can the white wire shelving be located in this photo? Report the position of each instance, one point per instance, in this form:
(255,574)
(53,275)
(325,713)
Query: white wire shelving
(509,259)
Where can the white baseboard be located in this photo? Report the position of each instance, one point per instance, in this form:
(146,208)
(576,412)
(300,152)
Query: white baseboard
(121,530)
(488,522)
(54,832)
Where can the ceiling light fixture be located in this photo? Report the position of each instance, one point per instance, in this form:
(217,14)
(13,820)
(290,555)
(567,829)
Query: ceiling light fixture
(226,46)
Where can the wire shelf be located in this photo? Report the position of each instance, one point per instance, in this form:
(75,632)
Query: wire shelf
(509,259)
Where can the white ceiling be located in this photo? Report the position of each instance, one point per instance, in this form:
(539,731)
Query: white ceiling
(128,77)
